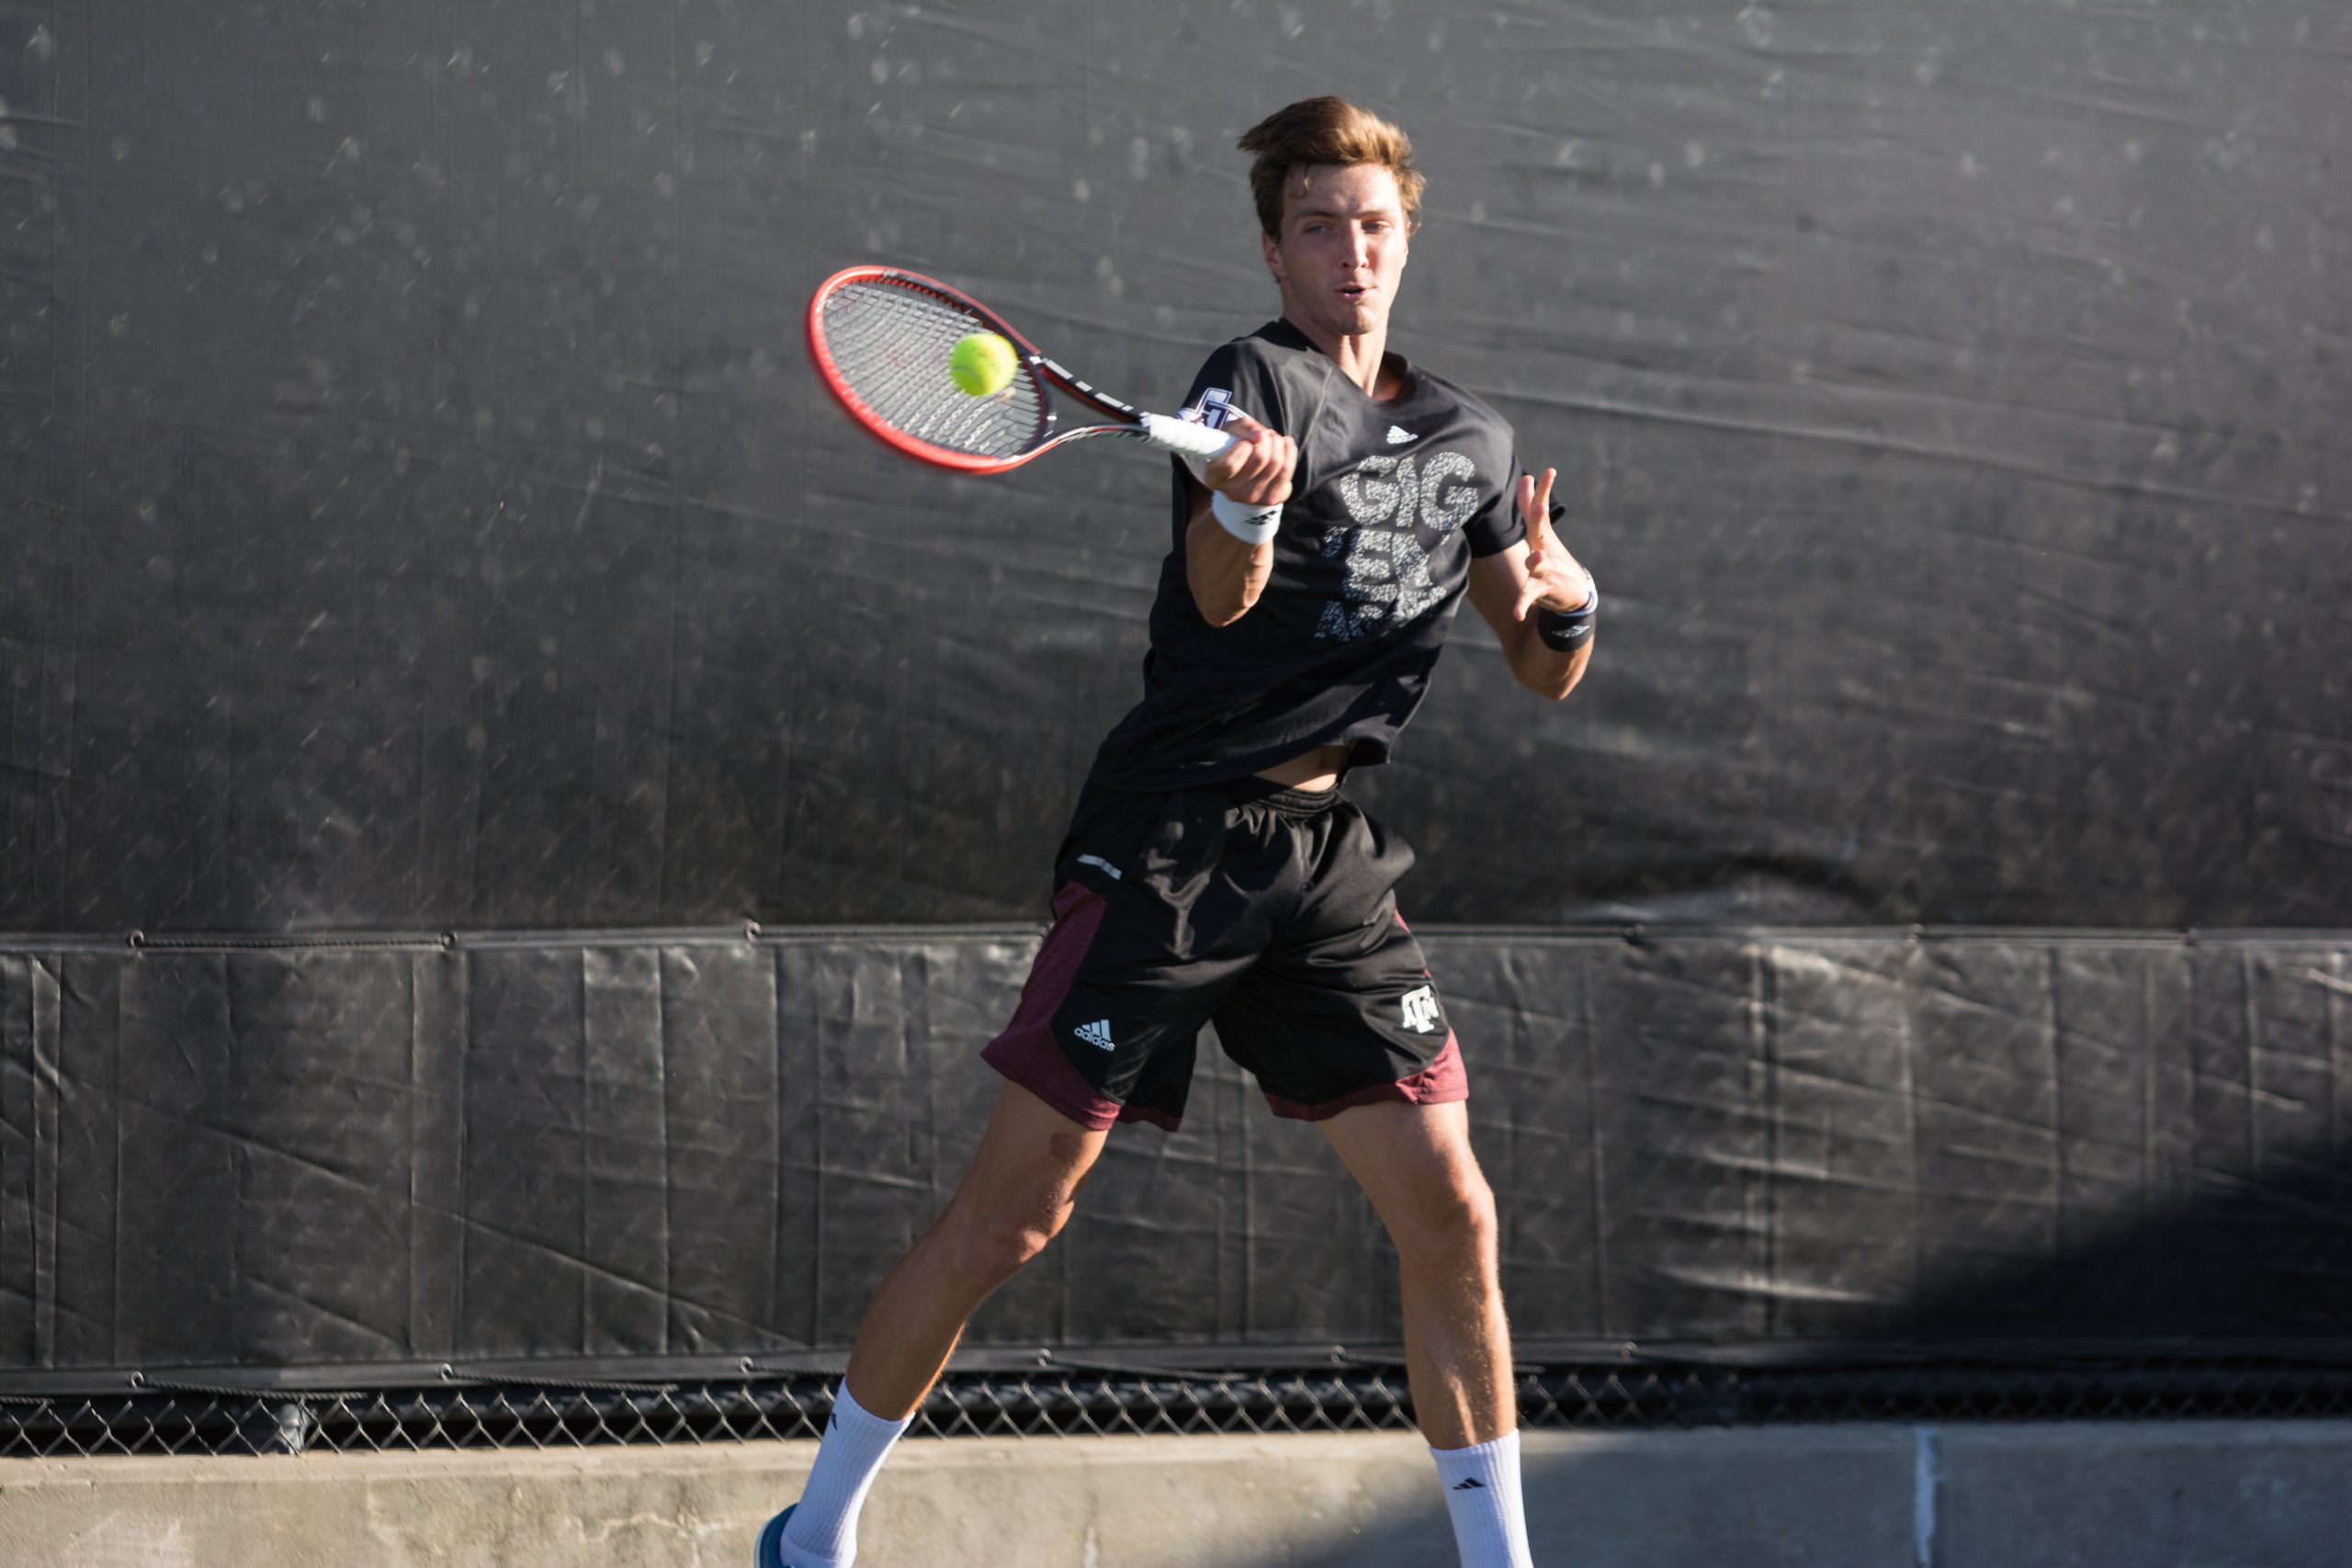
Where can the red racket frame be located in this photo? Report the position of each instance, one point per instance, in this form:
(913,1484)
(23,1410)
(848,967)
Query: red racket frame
(1048,375)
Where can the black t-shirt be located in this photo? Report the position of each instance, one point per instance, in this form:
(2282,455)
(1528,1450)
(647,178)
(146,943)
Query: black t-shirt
(1389,503)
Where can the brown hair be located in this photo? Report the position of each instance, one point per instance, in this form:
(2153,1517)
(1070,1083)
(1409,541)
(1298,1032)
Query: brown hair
(1325,130)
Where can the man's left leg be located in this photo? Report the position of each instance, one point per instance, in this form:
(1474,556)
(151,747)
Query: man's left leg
(1415,1163)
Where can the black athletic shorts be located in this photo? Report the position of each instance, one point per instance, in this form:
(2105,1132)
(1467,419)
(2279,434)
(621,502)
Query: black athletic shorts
(1270,912)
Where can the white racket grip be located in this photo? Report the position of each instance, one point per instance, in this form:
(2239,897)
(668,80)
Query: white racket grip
(1186,439)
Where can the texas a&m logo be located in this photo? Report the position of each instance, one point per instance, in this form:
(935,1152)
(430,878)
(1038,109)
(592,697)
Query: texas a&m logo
(1213,409)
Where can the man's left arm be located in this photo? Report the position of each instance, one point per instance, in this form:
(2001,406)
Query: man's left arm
(1536,573)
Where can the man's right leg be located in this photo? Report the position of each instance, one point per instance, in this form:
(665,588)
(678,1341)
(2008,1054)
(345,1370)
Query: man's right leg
(1015,1197)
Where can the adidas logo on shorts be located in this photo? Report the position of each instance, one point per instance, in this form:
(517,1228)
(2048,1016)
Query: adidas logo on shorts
(1097,1034)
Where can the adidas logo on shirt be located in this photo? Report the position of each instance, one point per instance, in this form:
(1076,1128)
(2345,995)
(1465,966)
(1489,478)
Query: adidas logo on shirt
(1398,436)
(1097,1034)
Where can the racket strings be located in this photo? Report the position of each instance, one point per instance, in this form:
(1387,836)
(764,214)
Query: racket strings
(890,345)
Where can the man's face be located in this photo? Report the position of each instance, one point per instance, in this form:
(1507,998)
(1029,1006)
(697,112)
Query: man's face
(1342,251)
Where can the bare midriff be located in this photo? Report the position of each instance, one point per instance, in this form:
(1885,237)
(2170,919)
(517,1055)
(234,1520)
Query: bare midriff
(1320,769)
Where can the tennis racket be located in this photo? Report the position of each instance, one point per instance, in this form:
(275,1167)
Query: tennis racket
(880,336)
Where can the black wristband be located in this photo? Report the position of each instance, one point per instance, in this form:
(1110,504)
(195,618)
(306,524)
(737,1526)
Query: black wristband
(1564,631)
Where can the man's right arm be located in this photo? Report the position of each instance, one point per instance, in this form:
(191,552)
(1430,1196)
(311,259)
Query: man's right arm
(1226,570)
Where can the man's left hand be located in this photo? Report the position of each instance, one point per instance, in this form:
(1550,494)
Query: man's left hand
(1555,578)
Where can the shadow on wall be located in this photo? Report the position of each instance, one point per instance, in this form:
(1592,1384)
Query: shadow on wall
(2119,1495)
(1821,1497)
(2180,1277)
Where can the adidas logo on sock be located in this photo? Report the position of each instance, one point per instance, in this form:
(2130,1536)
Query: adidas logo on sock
(1471,1484)
(1096,1034)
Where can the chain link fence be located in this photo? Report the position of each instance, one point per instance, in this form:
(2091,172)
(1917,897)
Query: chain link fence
(162,1418)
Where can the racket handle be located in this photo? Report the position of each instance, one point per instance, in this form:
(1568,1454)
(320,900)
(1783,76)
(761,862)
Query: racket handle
(1186,439)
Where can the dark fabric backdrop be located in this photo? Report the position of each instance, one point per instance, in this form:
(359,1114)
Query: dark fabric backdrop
(419,513)
(627,1149)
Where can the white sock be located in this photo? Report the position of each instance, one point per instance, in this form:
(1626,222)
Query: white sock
(1482,1493)
(823,1531)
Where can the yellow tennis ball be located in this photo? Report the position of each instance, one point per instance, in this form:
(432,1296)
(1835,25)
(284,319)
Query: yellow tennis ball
(982,363)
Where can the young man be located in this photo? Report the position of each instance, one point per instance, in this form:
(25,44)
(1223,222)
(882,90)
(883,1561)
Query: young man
(1214,871)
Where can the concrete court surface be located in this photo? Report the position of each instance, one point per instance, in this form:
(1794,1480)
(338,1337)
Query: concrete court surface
(2193,1495)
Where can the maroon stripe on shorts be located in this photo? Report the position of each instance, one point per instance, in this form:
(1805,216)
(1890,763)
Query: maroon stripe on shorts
(1442,1082)
(1027,1052)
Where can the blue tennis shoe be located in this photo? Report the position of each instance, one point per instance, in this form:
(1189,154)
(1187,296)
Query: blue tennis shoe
(770,1553)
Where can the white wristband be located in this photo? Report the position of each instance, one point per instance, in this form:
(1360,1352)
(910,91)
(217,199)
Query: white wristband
(1251,524)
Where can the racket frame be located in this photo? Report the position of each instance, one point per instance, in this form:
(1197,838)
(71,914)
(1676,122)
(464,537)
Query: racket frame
(1123,419)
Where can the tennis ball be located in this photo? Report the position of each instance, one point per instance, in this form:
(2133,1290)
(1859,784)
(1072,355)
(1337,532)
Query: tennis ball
(982,363)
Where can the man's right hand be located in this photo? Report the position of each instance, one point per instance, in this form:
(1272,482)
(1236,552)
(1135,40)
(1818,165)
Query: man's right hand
(1256,470)
(1228,573)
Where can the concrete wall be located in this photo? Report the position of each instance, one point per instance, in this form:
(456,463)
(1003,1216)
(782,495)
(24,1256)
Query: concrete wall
(2216,1494)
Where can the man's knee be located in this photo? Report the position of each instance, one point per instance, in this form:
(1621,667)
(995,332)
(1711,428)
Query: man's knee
(989,1244)
(1453,1218)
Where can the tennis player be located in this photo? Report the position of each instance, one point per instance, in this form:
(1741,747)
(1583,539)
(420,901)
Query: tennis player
(1214,871)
